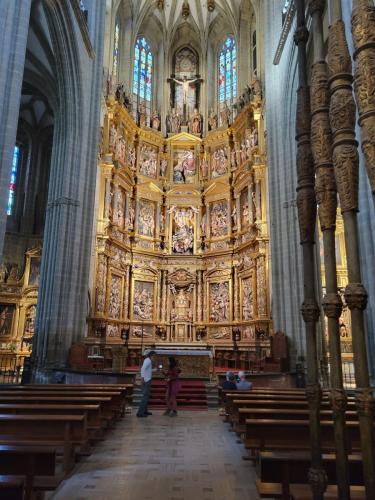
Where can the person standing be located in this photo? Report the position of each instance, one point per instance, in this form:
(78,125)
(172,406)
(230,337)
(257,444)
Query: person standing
(146,378)
(173,387)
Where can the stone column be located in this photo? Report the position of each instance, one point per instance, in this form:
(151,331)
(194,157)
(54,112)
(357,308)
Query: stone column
(14,25)
(363,30)
(306,204)
(346,164)
(64,281)
(326,196)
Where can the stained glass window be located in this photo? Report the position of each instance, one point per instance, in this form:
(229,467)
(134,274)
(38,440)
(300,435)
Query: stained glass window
(13,178)
(228,72)
(142,75)
(116,49)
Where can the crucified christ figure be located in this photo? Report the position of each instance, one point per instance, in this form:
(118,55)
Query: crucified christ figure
(185,86)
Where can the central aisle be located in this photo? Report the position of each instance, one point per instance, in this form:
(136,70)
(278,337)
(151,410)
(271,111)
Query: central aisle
(191,457)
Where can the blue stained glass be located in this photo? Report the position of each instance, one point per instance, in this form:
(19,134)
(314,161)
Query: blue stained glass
(227,71)
(142,75)
(13,179)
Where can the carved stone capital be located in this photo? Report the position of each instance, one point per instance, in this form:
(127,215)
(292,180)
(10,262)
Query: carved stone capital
(365,402)
(303,121)
(318,481)
(332,305)
(301,35)
(306,206)
(317,6)
(313,395)
(338,400)
(346,163)
(356,296)
(319,87)
(363,24)
(310,311)
(342,110)
(339,60)
(368,147)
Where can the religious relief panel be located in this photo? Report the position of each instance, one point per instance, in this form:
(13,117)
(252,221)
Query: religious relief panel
(219,217)
(261,287)
(182,230)
(148,161)
(114,307)
(223,333)
(248,332)
(247,299)
(184,167)
(219,162)
(146,218)
(245,212)
(182,303)
(113,331)
(7,313)
(101,278)
(139,332)
(118,213)
(143,300)
(219,302)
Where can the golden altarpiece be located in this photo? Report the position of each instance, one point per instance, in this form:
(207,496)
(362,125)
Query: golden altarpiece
(182,255)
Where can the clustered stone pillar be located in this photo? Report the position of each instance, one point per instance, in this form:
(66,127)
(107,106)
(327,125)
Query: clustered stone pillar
(363,30)
(346,165)
(14,29)
(306,205)
(326,196)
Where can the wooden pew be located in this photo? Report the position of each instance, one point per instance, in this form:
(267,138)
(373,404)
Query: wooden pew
(109,410)
(37,464)
(278,470)
(269,435)
(95,423)
(12,487)
(62,431)
(236,405)
(282,413)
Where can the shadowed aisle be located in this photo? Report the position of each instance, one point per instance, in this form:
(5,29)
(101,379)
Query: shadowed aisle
(191,457)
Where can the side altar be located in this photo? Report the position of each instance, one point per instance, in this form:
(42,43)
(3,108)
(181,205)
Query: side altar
(193,363)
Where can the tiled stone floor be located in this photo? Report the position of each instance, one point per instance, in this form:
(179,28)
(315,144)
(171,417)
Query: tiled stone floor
(191,457)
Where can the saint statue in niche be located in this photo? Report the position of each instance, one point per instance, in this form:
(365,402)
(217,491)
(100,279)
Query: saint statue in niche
(247,300)
(225,116)
(163,167)
(184,170)
(196,122)
(174,121)
(212,120)
(142,114)
(155,120)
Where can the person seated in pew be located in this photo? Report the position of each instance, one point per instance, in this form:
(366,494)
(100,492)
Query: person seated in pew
(230,383)
(243,384)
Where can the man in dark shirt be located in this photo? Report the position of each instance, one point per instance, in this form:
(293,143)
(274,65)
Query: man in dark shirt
(229,384)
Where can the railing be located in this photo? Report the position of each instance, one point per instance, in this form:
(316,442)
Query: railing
(11,368)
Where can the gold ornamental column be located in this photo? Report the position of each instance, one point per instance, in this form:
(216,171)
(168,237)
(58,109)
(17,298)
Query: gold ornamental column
(363,30)
(346,165)
(306,205)
(326,197)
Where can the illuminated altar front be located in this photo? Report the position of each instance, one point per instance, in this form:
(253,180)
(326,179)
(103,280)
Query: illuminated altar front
(182,254)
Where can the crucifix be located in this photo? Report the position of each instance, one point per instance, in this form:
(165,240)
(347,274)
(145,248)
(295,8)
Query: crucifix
(185,84)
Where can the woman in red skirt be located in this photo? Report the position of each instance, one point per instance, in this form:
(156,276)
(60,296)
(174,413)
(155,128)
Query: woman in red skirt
(173,387)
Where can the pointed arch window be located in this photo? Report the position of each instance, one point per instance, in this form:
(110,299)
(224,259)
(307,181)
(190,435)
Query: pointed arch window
(13,179)
(116,44)
(228,72)
(142,74)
